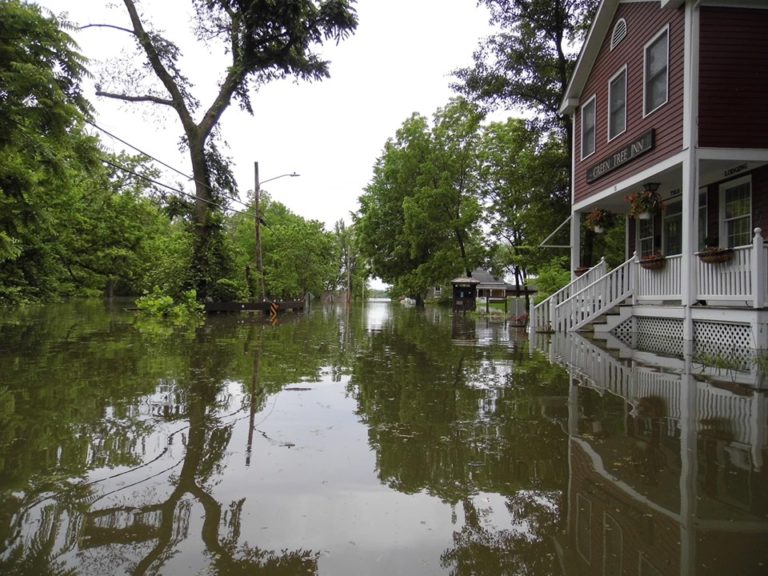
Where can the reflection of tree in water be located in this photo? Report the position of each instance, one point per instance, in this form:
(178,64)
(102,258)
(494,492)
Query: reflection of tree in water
(525,549)
(55,517)
(456,422)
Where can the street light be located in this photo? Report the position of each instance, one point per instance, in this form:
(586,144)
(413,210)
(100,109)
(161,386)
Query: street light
(257,212)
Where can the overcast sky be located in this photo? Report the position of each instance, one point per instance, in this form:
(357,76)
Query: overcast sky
(398,62)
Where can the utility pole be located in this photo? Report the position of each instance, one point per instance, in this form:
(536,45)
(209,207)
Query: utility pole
(257,216)
(259,220)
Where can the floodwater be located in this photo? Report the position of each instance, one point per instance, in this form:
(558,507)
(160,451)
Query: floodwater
(375,440)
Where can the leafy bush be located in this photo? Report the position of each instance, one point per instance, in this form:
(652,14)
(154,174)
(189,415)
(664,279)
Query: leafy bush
(156,303)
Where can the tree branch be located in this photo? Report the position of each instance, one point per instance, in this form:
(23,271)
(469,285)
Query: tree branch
(128,98)
(120,28)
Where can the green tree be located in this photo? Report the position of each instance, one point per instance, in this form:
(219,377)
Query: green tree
(265,41)
(525,193)
(418,218)
(352,273)
(42,144)
(528,63)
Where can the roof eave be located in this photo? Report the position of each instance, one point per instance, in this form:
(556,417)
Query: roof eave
(588,55)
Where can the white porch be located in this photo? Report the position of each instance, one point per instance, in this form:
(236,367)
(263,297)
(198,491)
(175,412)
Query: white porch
(729,305)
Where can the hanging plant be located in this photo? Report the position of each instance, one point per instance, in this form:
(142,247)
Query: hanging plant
(644,202)
(655,261)
(597,219)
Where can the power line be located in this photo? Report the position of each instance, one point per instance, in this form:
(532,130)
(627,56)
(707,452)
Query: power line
(155,159)
(161,184)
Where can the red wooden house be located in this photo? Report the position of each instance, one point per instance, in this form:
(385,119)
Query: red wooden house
(669,101)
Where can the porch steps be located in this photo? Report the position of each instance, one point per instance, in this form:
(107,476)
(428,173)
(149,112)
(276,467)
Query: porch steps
(605,323)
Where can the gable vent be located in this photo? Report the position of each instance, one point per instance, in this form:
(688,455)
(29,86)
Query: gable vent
(619,33)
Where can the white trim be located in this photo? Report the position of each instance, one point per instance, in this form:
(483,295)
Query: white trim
(622,70)
(591,99)
(659,34)
(735,154)
(690,76)
(630,181)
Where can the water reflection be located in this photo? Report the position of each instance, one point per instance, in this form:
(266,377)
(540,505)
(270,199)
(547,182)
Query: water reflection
(367,440)
(667,471)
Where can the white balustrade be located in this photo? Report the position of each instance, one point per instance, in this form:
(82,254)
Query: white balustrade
(661,284)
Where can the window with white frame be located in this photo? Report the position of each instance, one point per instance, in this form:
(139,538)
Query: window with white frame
(645,237)
(584,527)
(656,72)
(617,104)
(613,546)
(703,233)
(588,128)
(736,212)
(672,230)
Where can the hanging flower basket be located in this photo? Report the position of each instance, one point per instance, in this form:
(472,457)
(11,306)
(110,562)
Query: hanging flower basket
(580,270)
(716,255)
(643,204)
(597,220)
(653,262)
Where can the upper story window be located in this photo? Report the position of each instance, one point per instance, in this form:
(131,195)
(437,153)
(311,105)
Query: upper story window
(736,212)
(588,128)
(656,72)
(617,104)
(619,32)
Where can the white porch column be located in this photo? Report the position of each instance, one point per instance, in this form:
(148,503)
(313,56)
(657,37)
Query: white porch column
(690,218)
(575,242)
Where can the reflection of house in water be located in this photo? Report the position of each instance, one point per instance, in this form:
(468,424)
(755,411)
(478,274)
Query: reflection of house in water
(667,465)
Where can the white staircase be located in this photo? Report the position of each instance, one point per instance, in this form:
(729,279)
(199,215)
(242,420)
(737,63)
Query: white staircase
(586,298)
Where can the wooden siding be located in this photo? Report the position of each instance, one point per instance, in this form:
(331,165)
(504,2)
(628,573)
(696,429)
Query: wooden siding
(733,78)
(644,21)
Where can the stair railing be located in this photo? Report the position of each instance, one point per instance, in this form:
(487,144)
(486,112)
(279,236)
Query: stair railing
(542,315)
(596,299)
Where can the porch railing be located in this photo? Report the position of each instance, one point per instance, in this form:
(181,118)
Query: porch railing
(595,299)
(542,315)
(662,284)
(743,279)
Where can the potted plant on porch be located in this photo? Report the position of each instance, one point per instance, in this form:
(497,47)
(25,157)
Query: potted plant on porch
(655,261)
(645,203)
(714,254)
(597,220)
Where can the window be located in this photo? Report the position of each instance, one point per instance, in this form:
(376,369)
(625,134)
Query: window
(588,128)
(613,544)
(673,228)
(617,104)
(703,233)
(656,70)
(645,233)
(584,527)
(736,212)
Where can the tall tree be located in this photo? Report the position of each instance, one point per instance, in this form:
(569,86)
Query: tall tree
(525,193)
(264,40)
(528,63)
(418,218)
(41,143)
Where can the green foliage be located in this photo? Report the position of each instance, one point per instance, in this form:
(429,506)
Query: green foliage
(528,62)
(264,41)
(552,276)
(418,223)
(157,303)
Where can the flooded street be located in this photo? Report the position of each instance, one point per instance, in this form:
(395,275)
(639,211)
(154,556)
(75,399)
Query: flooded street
(376,440)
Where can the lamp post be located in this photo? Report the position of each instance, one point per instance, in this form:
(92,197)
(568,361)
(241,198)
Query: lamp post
(257,216)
